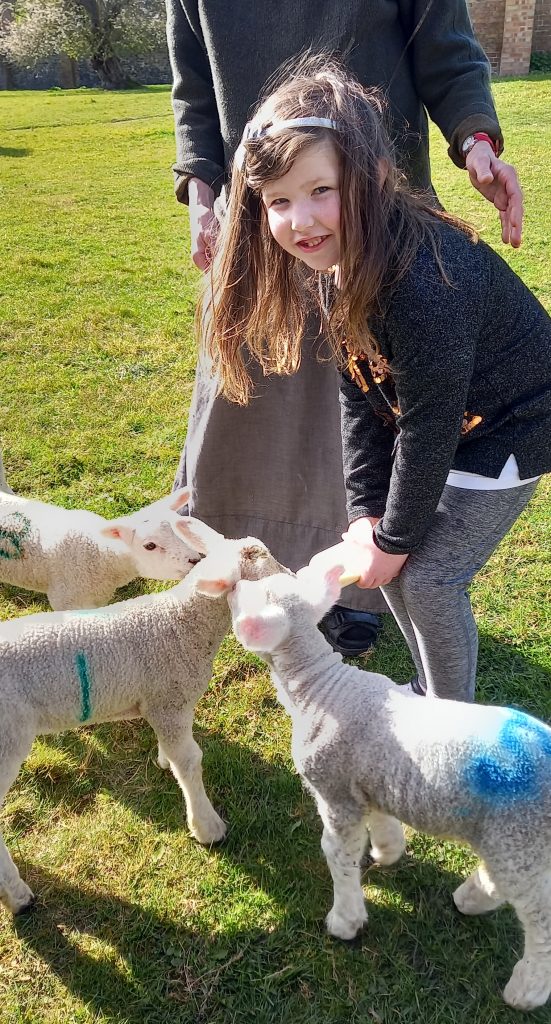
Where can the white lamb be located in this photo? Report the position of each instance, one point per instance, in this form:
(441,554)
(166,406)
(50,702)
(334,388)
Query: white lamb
(374,756)
(149,657)
(79,559)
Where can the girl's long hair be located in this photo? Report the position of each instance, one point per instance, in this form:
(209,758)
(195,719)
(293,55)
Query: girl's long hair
(258,296)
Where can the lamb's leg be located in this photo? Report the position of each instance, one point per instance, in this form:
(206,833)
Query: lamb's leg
(343,842)
(528,890)
(178,748)
(530,983)
(477,894)
(14,893)
(387,837)
(162,759)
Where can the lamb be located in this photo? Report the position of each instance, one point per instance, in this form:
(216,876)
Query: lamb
(372,755)
(78,558)
(148,657)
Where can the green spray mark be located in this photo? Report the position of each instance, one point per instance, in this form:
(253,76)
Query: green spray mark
(84,679)
(14,530)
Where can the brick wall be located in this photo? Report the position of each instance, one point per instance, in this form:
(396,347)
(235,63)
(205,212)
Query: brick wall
(518,30)
(541,40)
(488,18)
(510,30)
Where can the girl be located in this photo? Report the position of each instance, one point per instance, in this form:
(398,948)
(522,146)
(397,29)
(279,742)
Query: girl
(445,354)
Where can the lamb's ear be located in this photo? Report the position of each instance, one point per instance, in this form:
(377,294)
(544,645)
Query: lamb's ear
(263,632)
(200,536)
(117,530)
(214,583)
(217,574)
(320,587)
(179,498)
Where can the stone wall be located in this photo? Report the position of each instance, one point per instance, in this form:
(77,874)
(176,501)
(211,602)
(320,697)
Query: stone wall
(66,74)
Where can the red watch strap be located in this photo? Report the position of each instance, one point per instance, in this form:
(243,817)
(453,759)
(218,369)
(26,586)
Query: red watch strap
(484,137)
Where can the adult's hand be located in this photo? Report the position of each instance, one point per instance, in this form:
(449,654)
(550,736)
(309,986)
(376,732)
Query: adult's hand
(498,182)
(203,224)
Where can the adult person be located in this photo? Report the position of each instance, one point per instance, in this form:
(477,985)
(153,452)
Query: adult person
(274,468)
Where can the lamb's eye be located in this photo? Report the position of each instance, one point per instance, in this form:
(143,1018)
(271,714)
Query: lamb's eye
(150,546)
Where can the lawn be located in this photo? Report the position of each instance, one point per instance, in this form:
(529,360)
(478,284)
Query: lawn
(137,924)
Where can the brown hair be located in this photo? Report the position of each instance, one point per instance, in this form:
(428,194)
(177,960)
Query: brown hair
(258,295)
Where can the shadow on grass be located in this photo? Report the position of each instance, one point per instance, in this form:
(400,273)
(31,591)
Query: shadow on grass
(151,968)
(507,677)
(15,151)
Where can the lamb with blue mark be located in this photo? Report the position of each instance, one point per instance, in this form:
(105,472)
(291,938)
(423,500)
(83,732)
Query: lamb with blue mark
(149,657)
(372,755)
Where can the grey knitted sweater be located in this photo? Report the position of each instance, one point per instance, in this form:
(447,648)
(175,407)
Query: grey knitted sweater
(223,52)
(468,382)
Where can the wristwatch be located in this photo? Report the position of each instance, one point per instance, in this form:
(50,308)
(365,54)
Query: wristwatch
(472,140)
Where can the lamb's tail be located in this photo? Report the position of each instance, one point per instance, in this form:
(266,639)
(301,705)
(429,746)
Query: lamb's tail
(3,482)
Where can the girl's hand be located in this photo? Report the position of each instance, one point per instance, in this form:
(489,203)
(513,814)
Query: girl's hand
(376,567)
(498,182)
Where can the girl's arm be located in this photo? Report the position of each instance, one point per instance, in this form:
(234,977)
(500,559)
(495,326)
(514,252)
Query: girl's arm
(367,444)
(432,331)
(367,462)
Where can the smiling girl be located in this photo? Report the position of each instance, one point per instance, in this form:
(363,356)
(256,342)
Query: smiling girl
(445,354)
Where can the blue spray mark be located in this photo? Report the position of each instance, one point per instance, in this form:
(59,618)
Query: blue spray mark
(14,530)
(511,768)
(84,679)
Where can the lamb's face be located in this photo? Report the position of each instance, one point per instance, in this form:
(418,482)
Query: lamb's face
(263,611)
(158,552)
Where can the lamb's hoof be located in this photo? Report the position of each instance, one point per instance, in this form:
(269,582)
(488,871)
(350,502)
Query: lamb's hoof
(208,833)
(25,908)
(344,928)
(527,988)
(385,856)
(470,899)
(466,898)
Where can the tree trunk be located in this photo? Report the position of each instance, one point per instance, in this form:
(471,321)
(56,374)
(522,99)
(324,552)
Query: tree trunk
(68,72)
(7,79)
(111,72)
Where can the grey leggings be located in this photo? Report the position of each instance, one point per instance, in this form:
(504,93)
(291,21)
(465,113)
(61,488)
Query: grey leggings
(429,599)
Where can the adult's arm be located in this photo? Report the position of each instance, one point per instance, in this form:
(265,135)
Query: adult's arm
(199,147)
(450,70)
(452,78)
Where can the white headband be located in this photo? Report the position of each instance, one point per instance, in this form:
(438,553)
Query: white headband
(260,132)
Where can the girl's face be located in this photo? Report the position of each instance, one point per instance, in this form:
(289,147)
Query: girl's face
(304,207)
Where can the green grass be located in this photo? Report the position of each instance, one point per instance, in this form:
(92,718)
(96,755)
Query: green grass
(136,923)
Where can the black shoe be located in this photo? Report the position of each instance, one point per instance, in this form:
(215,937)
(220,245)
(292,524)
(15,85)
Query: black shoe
(415,686)
(350,632)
